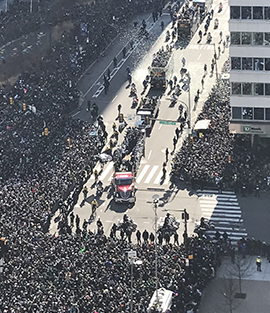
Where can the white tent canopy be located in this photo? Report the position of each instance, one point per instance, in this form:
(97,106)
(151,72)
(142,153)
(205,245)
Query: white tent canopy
(202,125)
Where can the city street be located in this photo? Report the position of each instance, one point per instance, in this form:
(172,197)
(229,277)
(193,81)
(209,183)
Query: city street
(149,183)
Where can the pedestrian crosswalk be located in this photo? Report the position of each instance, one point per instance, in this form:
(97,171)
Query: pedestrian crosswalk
(223,210)
(147,175)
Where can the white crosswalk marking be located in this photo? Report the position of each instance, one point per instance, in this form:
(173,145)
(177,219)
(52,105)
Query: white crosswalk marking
(142,173)
(106,171)
(151,174)
(223,210)
(147,174)
(158,178)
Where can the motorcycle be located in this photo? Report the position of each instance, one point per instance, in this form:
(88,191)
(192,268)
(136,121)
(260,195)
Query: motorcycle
(99,191)
(220,7)
(133,91)
(216,23)
(201,228)
(209,38)
(168,36)
(134,102)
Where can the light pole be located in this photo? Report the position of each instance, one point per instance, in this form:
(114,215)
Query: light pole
(189,104)
(215,54)
(155,203)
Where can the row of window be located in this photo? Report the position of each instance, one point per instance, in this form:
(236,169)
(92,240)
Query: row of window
(249,13)
(249,38)
(250,89)
(252,64)
(242,113)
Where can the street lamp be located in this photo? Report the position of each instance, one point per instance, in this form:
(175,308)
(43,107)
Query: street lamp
(132,256)
(215,53)
(189,104)
(155,203)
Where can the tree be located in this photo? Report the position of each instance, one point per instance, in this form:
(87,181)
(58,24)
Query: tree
(239,269)
(228,290)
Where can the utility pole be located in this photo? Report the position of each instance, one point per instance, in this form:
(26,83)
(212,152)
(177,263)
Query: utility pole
(155,202)
(185,217)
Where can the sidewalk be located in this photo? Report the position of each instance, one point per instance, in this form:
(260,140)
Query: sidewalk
(255,285)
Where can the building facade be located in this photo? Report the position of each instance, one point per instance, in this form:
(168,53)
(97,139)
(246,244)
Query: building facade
(249,27)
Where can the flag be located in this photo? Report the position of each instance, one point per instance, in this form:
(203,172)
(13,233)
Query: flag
(82,250)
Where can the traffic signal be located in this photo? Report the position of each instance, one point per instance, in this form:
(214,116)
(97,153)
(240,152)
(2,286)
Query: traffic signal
(230,158)
(147,120)
(24,106)
(46,131)
(185,215)
(121,118)
(11,100)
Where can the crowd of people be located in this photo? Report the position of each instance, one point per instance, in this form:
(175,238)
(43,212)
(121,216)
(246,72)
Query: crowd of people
(219,158)
(91,272)
(203,157)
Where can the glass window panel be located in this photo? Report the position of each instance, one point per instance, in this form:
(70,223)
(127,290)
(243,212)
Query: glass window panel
(267,64)
(246,38)
(236,88)
(236,63)
(267,13)
(237,113)
(257,38)
(235,38)
(247,113)
(266,39)
(247,89)
(246,64)
(267,114)
(235,12)
(267,89)
(258,113)
(246,13)
(257,13)
(258,89)
(258,64)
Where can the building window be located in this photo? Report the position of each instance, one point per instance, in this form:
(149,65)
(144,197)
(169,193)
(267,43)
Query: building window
(236,88)
(267,114)
(258,64)
(267,89)
(235,38)
(247,113)
(246,13)
(236,63)
(236,113)
(246,64)
(258,89)
(267,39)
(258,113)
(246,38)
(257,38)
(247,89)
(267,13)
(235,13)
(257,13)
(267,64)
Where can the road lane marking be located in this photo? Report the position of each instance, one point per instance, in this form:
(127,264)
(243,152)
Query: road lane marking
(199,56)
(106,171)
(114,98)
(143,172)
(158,178)
(149,154)
(151,174)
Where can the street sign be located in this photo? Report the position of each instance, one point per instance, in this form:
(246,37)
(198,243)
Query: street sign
(167,122)
(132,255)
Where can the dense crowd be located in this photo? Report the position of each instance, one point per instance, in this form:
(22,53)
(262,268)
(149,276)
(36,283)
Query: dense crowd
(217,157)
(203,158)
(91,273)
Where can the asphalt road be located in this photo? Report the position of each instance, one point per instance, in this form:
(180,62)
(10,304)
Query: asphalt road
(173,200)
